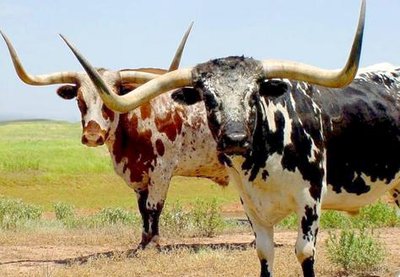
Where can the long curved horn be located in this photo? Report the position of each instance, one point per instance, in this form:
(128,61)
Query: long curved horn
(124,103)
(38,80)
(135,76)
(178,55)
(328,78)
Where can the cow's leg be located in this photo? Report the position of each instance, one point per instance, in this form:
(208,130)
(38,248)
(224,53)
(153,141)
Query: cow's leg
(150,218)
(309,215)
(147,235)
(265,247)
(158,188)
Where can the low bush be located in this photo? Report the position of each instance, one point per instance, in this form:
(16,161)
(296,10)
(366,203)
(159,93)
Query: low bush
(15,214)
(112,216)
(377,215)
(174,219)
(64,211)
(207,218)
(203,218)
(355,251)
(335,219)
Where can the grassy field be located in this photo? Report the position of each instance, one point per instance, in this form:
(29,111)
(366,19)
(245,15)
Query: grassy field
(43,162)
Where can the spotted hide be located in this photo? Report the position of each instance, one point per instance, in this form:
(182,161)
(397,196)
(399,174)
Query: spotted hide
(148,145)
(294,147)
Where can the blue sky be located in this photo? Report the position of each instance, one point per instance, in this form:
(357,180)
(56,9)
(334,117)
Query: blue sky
(129,34)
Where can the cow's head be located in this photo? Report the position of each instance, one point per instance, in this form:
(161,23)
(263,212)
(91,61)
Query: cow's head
(96,117)
(230,88)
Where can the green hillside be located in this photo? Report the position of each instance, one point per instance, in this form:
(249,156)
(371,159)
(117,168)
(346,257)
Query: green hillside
(43,162)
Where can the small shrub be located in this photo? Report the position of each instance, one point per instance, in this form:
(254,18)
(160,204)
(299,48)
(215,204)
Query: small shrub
(14,213)
(112,216)
(377,215)
(355,252)
(334,219)
(207,219)
(174,219)
(64,211)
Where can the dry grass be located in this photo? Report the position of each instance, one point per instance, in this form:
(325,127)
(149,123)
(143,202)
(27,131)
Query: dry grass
(46,253)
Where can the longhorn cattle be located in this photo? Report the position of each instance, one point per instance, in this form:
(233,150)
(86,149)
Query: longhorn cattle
(291,146)
(148,145)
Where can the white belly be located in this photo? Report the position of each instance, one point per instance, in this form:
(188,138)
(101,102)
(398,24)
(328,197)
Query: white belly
(351,202)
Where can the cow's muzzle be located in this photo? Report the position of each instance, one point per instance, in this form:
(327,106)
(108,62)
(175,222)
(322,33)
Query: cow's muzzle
(93,135)
(92,139)
(234,144)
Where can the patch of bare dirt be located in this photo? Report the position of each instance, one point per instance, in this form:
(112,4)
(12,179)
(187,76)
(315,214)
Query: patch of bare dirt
(74,257)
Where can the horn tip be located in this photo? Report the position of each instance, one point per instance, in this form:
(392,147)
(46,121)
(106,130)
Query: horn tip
(62,37)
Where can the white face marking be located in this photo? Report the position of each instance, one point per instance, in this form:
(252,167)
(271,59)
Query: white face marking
(270,114)
(288,124)
(93,101)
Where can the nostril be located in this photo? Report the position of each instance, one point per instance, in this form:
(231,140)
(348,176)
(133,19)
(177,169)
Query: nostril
(100,141)
(84,140)
(246,144)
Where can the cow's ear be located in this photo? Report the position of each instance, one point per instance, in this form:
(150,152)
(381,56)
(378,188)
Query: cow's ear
(187,96)
(273,88)
(67,92)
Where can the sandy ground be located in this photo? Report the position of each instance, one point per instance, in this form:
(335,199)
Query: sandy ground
(72,257)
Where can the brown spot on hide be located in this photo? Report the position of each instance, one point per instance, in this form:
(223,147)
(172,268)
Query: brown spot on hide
(82,105)
(145,111)
(107,113)
(171,125)
(160,147)
(134,145)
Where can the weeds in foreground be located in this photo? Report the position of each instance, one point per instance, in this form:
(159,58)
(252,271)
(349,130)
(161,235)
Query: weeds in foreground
(175,219)
(15,214)
(202,219)
(355,251)
(64,211)
(376,215)
(207,218)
